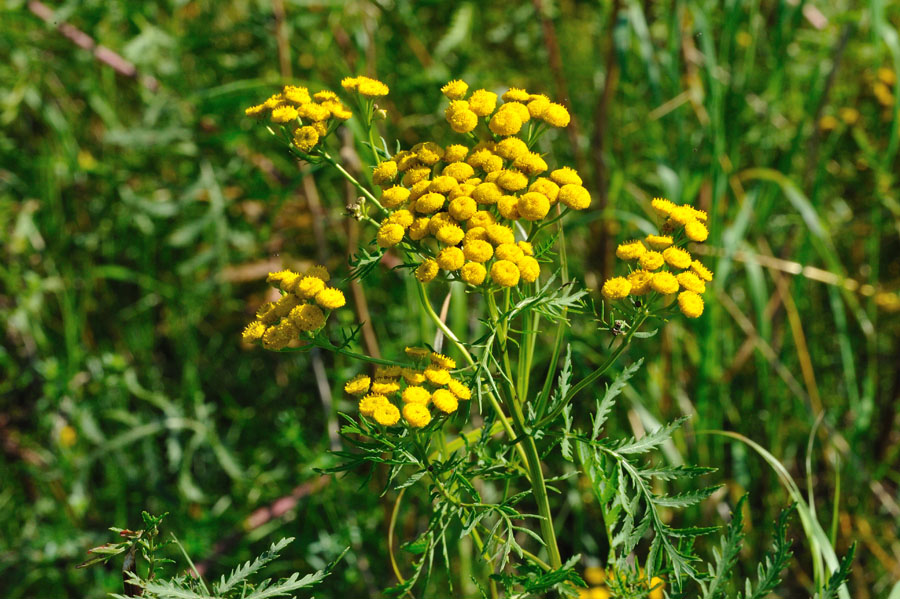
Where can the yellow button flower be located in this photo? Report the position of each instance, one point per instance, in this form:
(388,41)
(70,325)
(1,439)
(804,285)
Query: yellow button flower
(530,163)
(460,390)
(690,304)
(566,176)
(419,229)
(330,298)
(253,331)
(412,376)
(305,138)
(450,234)
(499,234)
(663,206)
(640,281)
(371,88)
(508,251)
(505,122)
(664,282)
(358,385)
(451,258)
(444,401)
(529,268)
(443,184)
(389,235)
(701,271)
(473,273)
(437,375)
(417,353)
(387,414)
(487,193)
(677,257)
(630,250)
(546,187)
(659,242)
(404,218)
(556,115)
(385,386)
(575,197)
(307,317)
(456,89)
(515,94)
(369,403)
(651,260)
(511,180)
(462,208)
(696,231)
(416,414)
(284,114)
(616,288)
(505,273)
(416,394)
(508,206)
(430,203)
(455,153)
(463,121)
(482,102)
(427,271)
(460,171)
(394,196)
(520,109)
(511,148)
(384,172)
(682,215)
(538,105)
(690,281)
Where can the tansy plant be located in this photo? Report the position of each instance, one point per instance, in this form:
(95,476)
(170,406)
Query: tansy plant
(471,426)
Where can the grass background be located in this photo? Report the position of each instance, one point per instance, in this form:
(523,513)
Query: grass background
(140,212)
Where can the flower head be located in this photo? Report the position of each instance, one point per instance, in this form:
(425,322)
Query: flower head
(416,414)
(456,89)
(616,288)
(690,304)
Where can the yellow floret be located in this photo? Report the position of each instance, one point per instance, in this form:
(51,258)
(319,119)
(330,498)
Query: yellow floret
(307,317)
(696,231)
(538,105)
(505,122)
(371,88)
(505,273)
(257,110)
(462,208)
(427,271)
(439,220)
(546,187)
(682,215)
(450,234)
(319,272)
(529,268)
(430,203)
(482,102)
(526,248)
(416,175)
(386,414)
(460,390)
(690,281)
(520,109)
(437,375)
(253,331)
(419,189)
(419,229)
(566,176)
(690,304)
(630,250)
(305,138)
(487,193)
(659,242)
(511,180)
(515,94)
(575,197)
(387,372)
(664,282)
(534,206)
(463,189)
(389,235)
(385,386)
(616,288)
(451,258)
(640,281)
(477,250)
(463,121)
(416,394)
(412,376)
(663,206)
(279,336)
(508,206)
(404,218)
(511,148)
(444,401)
(530,163)
(473,273)
(417,353)
(651,260)
(442,361)
(358,385)
(443,184)
(481,219)
(455,153)
(313,112)
(556,115)
(460,171)
(285,279)
(284,114)
(369,403)
(330,298)
(456,89)
(500,234)
(416,414)
(350,83)
(394,196)
(701,271)
(508,251)
(677,257)
(385,172)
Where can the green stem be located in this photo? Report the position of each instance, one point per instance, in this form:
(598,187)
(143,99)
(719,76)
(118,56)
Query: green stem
(368,194)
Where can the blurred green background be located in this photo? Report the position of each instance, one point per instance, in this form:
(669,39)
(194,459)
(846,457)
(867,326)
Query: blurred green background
(141,210)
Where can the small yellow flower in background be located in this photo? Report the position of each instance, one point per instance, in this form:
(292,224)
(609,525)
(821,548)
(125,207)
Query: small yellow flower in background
(616,288)
(257,110)
(358,385)
(298,94)
(664,282)
(663,206)
(849,115)
(413,376)
(456,89)
(417,353)
(416,414)
(67,436)
(690,304)
(630,250)
(350,83)
(442,361)
(828,123)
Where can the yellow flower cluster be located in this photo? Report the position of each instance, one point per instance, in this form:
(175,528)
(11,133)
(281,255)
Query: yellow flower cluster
(302,309)
(409,391)
(365,86)
(317,114)
(600,580)
(457,207)
(662,265)
(518,107)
